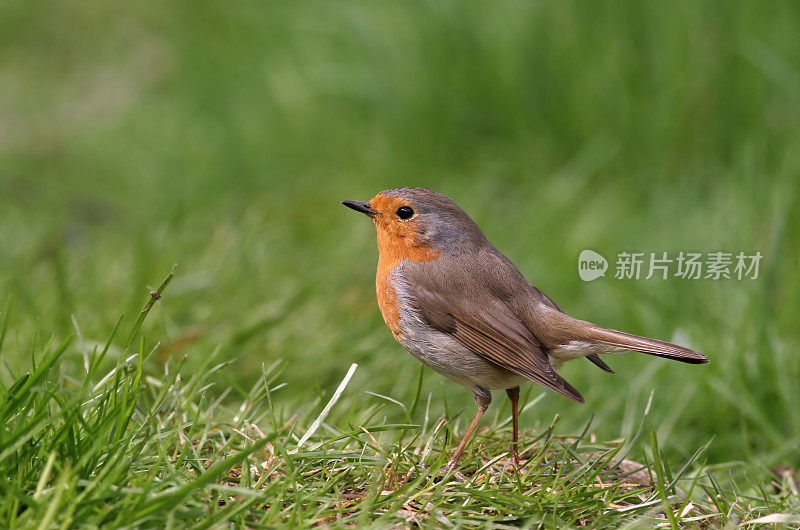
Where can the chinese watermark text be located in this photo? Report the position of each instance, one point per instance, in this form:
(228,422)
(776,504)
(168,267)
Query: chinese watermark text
(679,265)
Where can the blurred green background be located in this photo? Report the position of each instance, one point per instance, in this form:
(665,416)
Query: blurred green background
(222,136)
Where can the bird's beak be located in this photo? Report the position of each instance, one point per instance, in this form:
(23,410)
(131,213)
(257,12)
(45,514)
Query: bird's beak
(360,206)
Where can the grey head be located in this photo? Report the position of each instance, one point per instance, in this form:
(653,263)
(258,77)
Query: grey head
(437,220)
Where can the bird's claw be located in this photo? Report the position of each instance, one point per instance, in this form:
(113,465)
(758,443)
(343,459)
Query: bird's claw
(450,471)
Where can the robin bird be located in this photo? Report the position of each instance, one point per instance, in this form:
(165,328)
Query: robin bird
(461,307)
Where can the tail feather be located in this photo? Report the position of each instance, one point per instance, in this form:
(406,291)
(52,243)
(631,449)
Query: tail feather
(659,348)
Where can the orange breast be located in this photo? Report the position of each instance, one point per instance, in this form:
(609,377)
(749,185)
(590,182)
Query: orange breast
(387,300)
(395,246)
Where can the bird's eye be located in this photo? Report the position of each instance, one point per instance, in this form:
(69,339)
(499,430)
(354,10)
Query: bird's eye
(404,212)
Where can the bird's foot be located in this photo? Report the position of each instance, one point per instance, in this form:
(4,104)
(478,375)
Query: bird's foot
(450,473)
(510,465)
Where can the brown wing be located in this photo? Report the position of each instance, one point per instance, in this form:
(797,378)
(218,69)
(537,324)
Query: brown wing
(480,320)
(597,361)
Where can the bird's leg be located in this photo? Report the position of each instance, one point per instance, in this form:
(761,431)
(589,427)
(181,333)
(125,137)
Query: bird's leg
(482,399)
(513,395)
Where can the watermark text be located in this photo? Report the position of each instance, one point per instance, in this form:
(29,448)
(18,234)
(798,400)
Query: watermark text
(665,265)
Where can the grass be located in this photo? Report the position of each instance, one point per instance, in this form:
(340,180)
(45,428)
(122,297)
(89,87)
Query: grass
(222,138)
(128,448)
